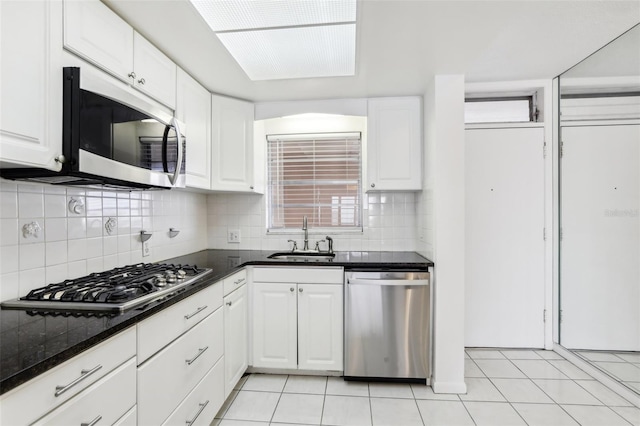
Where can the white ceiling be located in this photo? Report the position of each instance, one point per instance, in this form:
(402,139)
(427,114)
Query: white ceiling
(402,44)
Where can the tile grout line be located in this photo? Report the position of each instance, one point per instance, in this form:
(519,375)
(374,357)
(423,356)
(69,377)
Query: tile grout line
(507,399)
(279,398)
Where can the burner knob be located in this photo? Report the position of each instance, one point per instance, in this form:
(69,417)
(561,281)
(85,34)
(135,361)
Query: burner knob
(181,274)
(161,281)
(171,279)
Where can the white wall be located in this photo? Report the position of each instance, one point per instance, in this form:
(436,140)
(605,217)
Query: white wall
(441,228)
(72,245)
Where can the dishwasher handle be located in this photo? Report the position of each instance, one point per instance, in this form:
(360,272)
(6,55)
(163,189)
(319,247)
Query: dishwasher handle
(386,282)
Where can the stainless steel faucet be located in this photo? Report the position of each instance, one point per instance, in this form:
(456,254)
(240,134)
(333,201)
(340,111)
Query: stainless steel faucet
(330,243)
(305,228)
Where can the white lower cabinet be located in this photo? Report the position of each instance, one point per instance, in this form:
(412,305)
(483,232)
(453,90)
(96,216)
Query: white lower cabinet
(104,402)
(235,338)
(202,404)
(169,376)
(129,419)
(298,324)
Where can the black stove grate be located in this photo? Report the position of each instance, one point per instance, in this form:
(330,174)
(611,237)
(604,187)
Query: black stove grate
(115,286)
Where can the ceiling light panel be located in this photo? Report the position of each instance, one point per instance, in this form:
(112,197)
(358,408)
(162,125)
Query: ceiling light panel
(235,15)
(294,52)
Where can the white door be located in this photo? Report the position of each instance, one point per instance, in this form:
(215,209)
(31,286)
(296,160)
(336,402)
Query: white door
(320,327)
(504,266)
(600,246)
(274,325)
(235,338)
(155,72)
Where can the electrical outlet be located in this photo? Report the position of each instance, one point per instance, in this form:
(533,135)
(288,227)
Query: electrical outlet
(233,236)
(146,251)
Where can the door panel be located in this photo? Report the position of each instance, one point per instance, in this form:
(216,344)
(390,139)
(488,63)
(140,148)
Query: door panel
(504,291)
(600,246)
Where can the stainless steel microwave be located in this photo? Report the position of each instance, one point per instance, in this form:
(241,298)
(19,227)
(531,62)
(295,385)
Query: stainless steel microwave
(114,138)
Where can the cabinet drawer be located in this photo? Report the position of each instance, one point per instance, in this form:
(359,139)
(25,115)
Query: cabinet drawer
(207,396)
(107,400)
(166,378)
(329,275)
(235,281)
(129,419)
(161,329)
(37,397)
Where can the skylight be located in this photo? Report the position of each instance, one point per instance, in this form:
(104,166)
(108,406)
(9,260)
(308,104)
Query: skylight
(282,39)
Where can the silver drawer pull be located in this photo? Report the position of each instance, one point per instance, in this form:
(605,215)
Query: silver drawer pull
(200,352)
(92,422)
(241,280)
(192,421)
(196,312)
(83,375)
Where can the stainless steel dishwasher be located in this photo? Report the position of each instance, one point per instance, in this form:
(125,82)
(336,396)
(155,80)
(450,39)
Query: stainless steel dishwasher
(387,323)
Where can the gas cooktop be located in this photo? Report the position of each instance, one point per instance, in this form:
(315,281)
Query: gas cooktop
(115,290)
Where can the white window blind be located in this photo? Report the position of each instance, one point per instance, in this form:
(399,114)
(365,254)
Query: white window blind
(314,175)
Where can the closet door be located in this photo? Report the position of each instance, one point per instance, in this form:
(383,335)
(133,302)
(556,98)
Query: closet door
(600,246)
(504,266)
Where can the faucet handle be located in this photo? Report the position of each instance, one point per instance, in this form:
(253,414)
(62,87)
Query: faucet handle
(295,245)
(318,244)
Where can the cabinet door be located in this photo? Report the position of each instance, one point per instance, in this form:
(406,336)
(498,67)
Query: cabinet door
(31,83)
(235,338)
(394,144)
(320,326)
(193,107)
(232,144)
(274,325)
(155,72)
(94,32)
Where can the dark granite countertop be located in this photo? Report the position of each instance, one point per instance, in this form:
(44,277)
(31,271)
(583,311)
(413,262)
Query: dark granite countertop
(32,343)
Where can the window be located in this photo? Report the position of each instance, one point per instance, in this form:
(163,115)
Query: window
(314,175)
(500,110)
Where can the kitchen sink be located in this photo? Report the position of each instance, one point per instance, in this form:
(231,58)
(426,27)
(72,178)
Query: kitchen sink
(306,256)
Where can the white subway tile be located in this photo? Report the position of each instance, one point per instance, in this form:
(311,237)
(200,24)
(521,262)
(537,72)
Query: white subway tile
(109,245)
(109,207)
(35,188)
(78,206)
(8,186)
(9,259)
(136,224)
(110,262)
(77,269)
(31,279)
(55,229)
(93,206)
(123,207)
(54,189)
(124,259)
(124,244)
(124,225)
(76,228)
(95,264)
(30,204)
(8,232)
(9,286)
(94,247)
(56,253)
(56,273)
(77,250)
(9,205)
(31,230)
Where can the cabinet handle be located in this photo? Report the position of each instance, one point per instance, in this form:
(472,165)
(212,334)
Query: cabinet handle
(132,74)
(141,81)
(229,303)
(83,375)
(200,309)
(251,187)
(241,280)
(200,352)
(300,289)
(192,421)
(92,422)
(60,159)
(373,185)
(292,289)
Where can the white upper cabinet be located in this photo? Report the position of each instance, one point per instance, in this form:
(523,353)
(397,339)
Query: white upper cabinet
(232,160)
(193,107)
(394,134)
(94,32)
(31,84)
(155,73)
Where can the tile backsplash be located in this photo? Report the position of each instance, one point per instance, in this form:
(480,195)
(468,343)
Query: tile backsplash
(389,224)
(51,233)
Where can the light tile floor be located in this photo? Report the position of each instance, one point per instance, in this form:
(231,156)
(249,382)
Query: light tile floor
(623,366)
(505,387)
